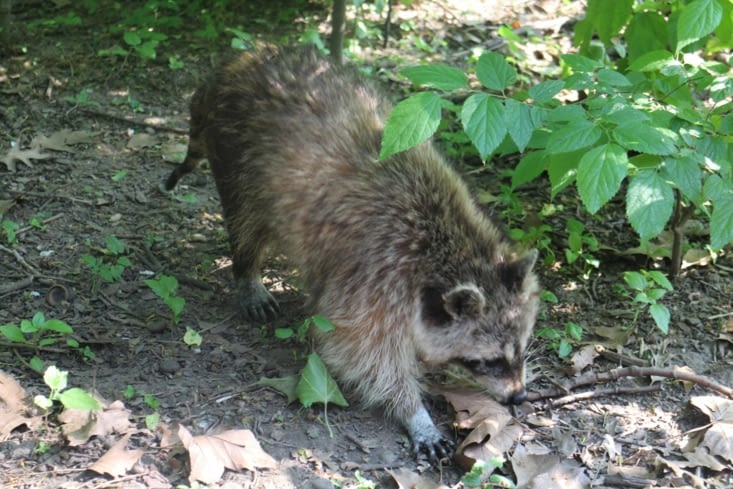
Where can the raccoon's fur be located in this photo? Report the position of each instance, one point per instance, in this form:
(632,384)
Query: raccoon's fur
(395,252)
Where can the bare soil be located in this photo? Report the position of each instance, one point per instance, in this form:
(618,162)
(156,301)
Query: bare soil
(136,117)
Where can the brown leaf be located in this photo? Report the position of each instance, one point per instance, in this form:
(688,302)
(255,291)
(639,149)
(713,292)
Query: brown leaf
(234,450)
(547,471)
(80,425)
(60,140)
(23,155)
(582,359)
(718,439)
(12,407)
(141,140)
(494,429)
(117,461)
(407,479)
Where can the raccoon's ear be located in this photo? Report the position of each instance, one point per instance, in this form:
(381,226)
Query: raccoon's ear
(514,273)
(464,301)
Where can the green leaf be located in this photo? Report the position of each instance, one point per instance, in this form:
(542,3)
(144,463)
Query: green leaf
(613,78)
(608,16)
(115,245)
(685,173)
(152,420)
(635,280)
(564,348)
(36,364)
(494,72)
(660,279)
(649,203)
(696,20)
(56,379)
(644,138)
(76,398)
(574,331)
(58,326)
(652,61)
(545,91)
(43,402)
(285,385)
(576,135)
(132,38)
(483,120)
(192,337)
(411,122)
(284,333)
(521,120)
(721,223)
(12,333)
(600,173)
(147,49)
(646,32)
(439,76)
(323,323)
(661,316)
(317,385)
(530,167)
(580,64)
(562,169)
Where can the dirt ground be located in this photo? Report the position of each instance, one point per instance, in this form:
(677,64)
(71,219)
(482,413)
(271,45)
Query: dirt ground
(129,122)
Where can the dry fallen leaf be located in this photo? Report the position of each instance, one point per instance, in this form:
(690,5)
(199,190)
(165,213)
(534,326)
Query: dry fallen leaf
(211,454)
(718,439)
(494,429)
(407,479)
(547,471)
(23,155)
(80,425)
(12,407)
(583,358)
(117,461)
(141,140)
(60,140)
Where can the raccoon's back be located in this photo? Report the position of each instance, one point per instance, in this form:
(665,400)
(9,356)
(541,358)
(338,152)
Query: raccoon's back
(293,105)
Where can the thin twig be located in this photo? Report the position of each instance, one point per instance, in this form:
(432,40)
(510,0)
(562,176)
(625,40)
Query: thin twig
(20,260)
(616,391)
(673,373)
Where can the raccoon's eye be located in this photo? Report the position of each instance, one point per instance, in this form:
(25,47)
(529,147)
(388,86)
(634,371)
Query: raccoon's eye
(471,364)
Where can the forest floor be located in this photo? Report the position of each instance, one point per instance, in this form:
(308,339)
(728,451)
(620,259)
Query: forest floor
(93,138)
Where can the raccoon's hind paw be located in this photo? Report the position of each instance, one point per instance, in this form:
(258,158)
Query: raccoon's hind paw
(258,305)
(427,438)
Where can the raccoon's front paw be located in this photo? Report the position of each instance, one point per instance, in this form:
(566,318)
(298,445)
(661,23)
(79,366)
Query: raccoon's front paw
(257,303)
(427,438)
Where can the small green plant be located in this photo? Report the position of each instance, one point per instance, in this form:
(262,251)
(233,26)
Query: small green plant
(165,287)
(192,337)
(111,265)
(152,419)
(241,40)
(482,475)
(581,247)
(41,332)
(362,482)
(72,398)
(82,98)
(647,288)
(562,341)
(37,221)
(9,228)
(313,383)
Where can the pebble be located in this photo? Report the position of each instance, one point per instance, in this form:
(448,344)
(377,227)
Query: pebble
(169,366)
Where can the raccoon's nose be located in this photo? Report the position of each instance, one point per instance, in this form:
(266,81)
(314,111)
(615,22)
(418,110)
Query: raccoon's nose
(519,397)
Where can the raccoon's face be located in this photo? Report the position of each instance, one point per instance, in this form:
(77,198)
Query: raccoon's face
(484,328)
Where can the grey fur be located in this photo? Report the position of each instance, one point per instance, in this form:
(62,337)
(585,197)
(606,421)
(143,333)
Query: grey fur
(395,252)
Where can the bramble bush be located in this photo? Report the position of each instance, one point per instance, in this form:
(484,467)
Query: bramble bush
(652,109)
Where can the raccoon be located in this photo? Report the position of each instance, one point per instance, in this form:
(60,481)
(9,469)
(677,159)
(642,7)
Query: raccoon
(394,252)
